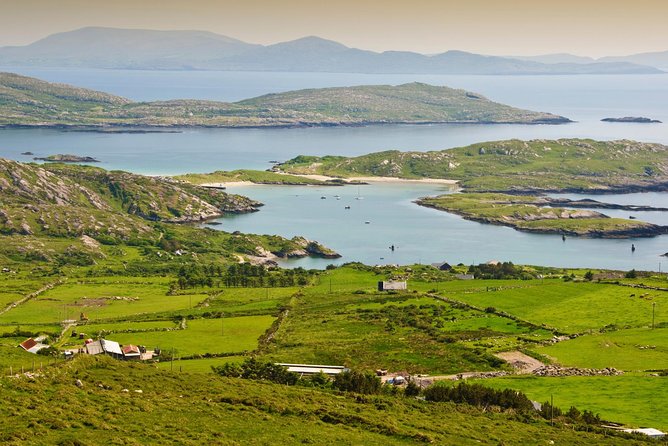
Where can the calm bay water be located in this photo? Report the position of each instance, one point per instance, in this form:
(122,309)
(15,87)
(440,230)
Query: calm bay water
(421,235)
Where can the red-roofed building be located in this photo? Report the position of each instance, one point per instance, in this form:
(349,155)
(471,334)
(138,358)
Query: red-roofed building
(131,352)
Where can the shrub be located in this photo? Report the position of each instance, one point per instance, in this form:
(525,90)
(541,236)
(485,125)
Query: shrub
(358,382)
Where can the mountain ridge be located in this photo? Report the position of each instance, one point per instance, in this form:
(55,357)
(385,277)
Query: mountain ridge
(115,48)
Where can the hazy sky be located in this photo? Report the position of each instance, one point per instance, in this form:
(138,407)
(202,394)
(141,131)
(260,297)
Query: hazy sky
(518,27)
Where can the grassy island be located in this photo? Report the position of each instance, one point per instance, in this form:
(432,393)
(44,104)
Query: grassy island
(532,214)
(29,102)
(575,165)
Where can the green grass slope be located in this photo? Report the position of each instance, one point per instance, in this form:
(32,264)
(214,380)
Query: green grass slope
(175,408)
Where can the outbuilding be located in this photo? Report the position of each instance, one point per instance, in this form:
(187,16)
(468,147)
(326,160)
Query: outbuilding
(392,286)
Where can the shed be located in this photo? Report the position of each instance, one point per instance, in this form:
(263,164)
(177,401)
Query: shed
(649,431)
(112,348)
(94,348)
(32,346)
(131,352)
(312,369)
(390,285)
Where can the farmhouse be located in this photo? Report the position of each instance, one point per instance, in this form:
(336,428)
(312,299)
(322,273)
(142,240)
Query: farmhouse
(390,286)
(443,266)
(311,369)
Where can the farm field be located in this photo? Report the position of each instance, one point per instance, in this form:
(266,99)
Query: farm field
(634,398)
(201,336)
(633,349)
(573,307)
(101,300)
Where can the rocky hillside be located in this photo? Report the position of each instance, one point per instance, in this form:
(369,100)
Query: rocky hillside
(75,200)
(30,102)
(513,165)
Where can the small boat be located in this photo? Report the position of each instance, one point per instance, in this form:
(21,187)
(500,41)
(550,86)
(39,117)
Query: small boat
(347,207)
(632,217)
(323,198)
(367,222)
(359,198)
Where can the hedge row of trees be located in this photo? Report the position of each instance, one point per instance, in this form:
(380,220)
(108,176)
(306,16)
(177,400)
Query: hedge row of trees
(240,275)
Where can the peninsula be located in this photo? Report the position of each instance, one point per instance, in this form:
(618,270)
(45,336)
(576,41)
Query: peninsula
(534,214)
(29,102)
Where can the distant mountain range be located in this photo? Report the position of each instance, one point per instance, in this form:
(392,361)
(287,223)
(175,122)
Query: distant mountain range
(657,60)
(112,48)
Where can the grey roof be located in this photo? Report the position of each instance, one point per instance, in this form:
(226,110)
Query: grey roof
(111,347)
(94,348)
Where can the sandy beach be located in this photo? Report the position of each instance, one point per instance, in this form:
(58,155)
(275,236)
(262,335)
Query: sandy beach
(381,179)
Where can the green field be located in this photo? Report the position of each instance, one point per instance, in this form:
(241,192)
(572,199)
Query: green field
(226,335)
(573,307)
(635,399)
(97,299)
(633,349)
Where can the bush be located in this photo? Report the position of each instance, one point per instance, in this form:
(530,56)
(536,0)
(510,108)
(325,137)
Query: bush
(358,382)
(412,389)
(258,370)
(478,395)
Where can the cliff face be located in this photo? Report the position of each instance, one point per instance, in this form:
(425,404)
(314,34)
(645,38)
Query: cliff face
(75,200)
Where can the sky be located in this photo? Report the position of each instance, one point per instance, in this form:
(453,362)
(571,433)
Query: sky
(499,27)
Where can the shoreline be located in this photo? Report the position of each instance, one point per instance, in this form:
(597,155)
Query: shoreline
(352,181)
(375,179)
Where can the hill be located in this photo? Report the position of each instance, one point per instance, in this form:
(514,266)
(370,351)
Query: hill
(29,102)
(574,165)
(177,408)
(75,204)
(95,47)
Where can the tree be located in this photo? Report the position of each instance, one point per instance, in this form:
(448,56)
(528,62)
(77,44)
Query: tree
(589,276)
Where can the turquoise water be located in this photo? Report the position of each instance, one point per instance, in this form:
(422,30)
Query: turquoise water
(420,234)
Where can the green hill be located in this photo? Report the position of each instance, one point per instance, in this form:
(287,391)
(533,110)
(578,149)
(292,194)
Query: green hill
(513,165)
(30,102)
(103,401)
(42,204)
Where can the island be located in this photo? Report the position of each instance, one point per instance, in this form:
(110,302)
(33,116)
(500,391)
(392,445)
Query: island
(533,214)
(60,158)
(220,179)
(636,119)
(517,166)
(30,102)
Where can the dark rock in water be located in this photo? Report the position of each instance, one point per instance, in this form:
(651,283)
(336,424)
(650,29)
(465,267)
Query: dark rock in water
(638,119)
(664,255)
(214,223)
(27,153)
(60,158)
